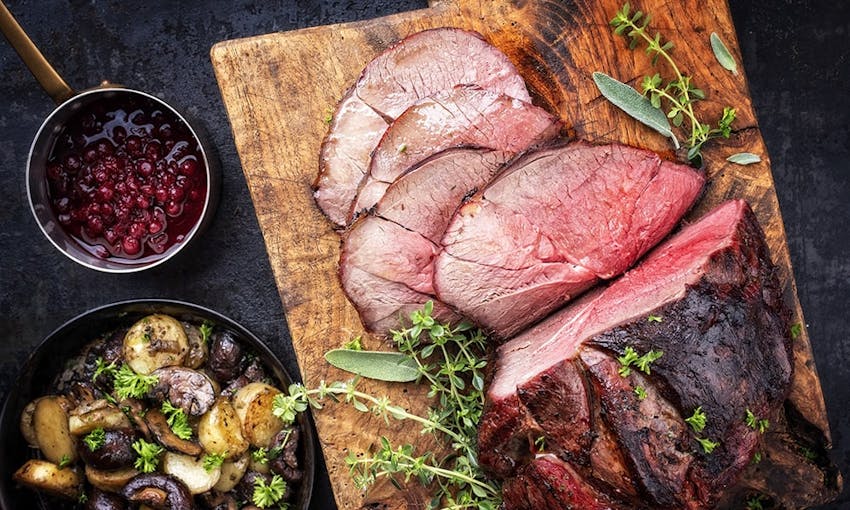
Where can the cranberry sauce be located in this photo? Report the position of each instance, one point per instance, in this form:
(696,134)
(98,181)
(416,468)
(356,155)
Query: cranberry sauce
(126,179)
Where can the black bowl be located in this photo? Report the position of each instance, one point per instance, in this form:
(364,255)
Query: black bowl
(48,360)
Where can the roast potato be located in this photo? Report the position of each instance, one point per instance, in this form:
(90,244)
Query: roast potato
(190,471)
(253,404)
(155,341)
(50,425)
(220,430)
(97,414)
(231,472)
(43,475)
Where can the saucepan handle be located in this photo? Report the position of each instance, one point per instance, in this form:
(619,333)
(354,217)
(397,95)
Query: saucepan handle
(49,79)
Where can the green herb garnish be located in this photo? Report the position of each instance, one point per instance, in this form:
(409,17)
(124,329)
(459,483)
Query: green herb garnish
(267,495)
(697,420)
(640,391)
(796,330)
(756,423)
(674,98)
(708,445)
(212,461)
(260,455)
(540,444)
(65,461)
(755,502)
(379,365)
(722,54)
(177,420)
(206,330)
(631,358)
(744,158)
(355,344)
(654,318)
(148,455)
(95,439)
(102,368)
(756,458)
(130,384)
(451,361)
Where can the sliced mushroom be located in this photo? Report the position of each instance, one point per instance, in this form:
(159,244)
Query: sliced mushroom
(198,349)
(100,500)
(159,491)
(253,373)
(226,358)
(135,412)
(286,462)
(110,480)
(217,501)
(185,388)
(158,425)
(115,452)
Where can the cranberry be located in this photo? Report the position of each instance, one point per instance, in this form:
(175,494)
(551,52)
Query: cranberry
(131,245)
(196,195)
(154,226)
(105,193)
(138,230)
(119,134)
(104,148)
(110,236)
(176,194)
(133,145)
(72,163)
(161,195)
(173,208)
(55,172)
(153,150)
(189,167)
(94,226)
(142,202)
(90,155)
(146,190)
(144,167)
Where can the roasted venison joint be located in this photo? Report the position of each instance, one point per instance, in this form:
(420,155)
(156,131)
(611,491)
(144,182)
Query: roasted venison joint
(709,300)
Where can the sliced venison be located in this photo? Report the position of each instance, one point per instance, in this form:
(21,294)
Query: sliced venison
(386,260)
(464,115)
(718,318)
(552,225)
(414,68)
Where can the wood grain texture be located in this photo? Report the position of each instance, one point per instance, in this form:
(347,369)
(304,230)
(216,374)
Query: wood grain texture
(278,88)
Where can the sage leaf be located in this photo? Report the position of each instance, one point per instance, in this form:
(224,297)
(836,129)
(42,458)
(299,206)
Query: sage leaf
(380,365)
(744,158)
(722,54)
(633,103)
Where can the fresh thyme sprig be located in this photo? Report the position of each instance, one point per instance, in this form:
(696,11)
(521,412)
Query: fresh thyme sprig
(451,360)
(679,94)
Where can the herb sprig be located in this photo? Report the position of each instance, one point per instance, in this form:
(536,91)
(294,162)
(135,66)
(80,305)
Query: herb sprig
(95,439)
(177,420)
(148,455)
(450,359)
(268,494)
(675,96)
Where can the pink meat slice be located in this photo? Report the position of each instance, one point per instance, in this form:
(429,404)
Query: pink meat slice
(552,225)
(386,260)
(464,115)
(415,67)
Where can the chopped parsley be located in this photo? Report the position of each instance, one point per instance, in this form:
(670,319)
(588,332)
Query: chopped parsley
(130,384)
(148,455)
(654,318)
(640,391)
(630,358)
(267,495)
(177,420)
(95,439)
(540,444)
(212,461)
(206,330)
(65,461)
(697,420)
(796,330)
(708,445)
(756,423)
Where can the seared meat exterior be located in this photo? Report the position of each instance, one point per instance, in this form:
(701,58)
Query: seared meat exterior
(414,68)
(709,300)
(554,223)
(387,256)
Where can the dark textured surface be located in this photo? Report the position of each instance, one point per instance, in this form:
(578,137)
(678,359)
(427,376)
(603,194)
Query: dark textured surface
(795,53)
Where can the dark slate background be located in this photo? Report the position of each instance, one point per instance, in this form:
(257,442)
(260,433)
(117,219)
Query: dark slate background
(796,55)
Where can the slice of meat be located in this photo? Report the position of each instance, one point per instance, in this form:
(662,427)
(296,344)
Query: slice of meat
(551,484)
(718,319)
(414,68)
(386,260)
(554,223)
(464,115)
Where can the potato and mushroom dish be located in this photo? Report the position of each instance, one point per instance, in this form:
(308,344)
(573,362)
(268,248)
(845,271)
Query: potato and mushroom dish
(163,414)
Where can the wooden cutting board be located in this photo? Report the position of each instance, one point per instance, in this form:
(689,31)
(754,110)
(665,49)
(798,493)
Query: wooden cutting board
(279,88)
